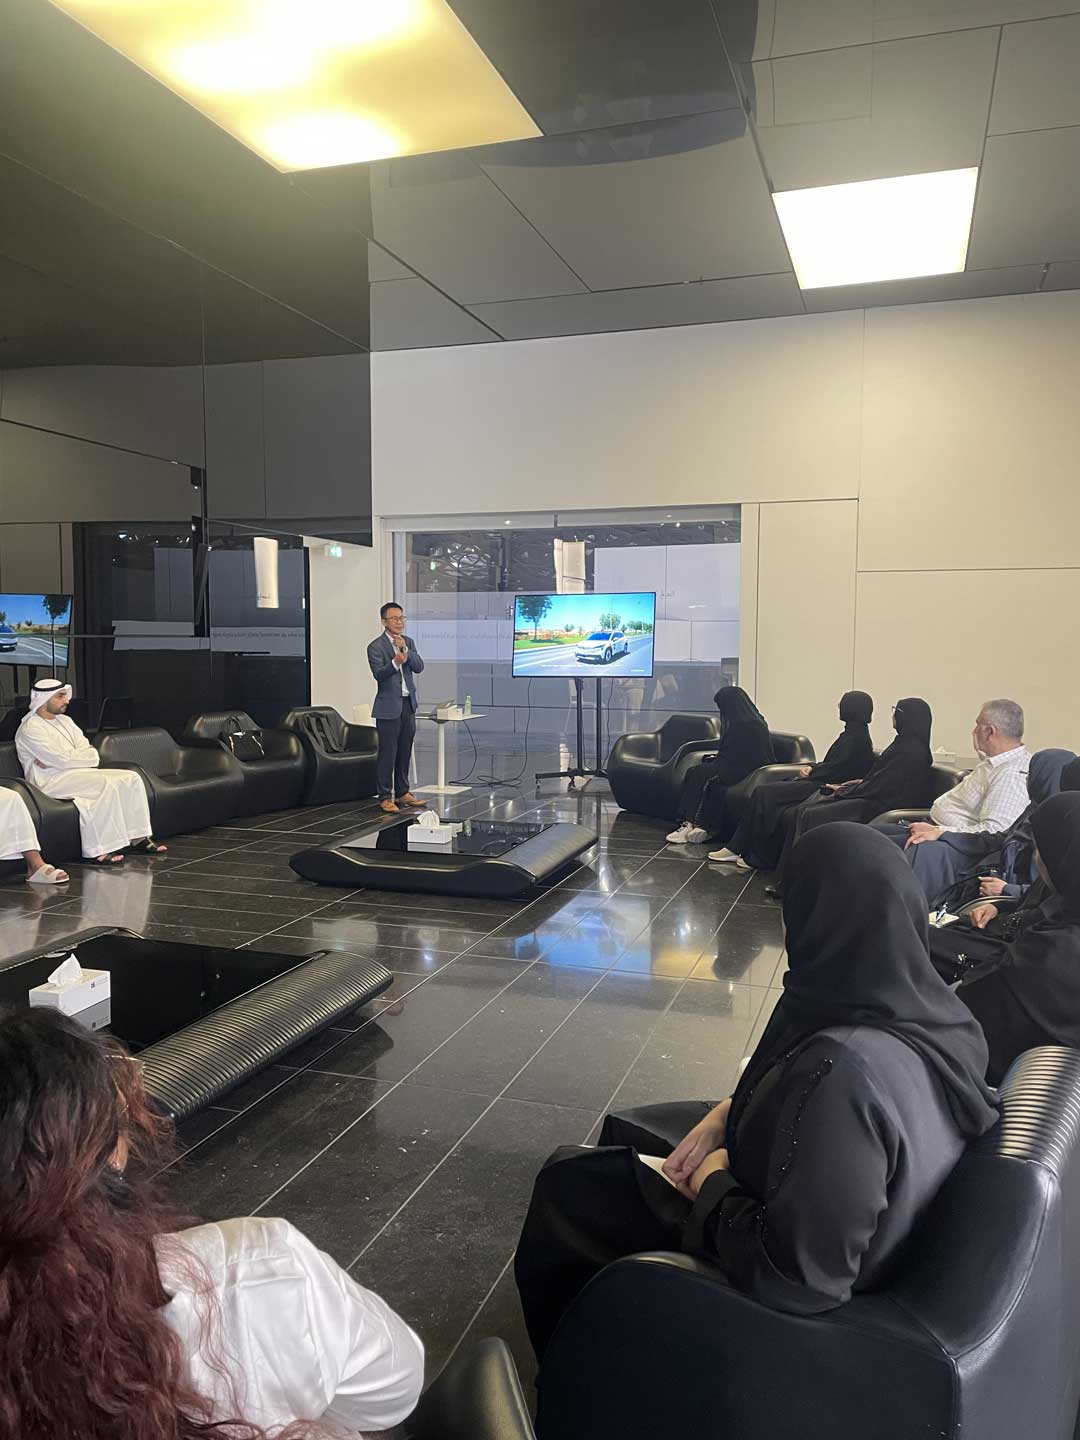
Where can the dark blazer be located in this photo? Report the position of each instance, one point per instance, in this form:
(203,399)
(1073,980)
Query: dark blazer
(389,699)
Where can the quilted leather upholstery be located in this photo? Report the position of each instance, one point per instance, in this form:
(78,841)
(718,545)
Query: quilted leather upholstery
(276,781)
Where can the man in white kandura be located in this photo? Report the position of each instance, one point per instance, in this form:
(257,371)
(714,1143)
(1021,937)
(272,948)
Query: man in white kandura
(56,757)
(19,841)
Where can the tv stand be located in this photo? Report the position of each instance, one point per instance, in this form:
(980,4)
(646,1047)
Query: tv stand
(581,771)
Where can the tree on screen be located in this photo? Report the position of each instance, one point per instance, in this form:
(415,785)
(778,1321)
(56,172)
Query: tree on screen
(55,606)
(3,616)
(610,619)
(533,608)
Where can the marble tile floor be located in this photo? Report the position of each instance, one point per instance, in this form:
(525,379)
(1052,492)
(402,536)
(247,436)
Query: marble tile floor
(404,1141)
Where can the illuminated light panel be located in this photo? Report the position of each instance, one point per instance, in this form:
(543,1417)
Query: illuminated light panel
(872,230)
(311,83)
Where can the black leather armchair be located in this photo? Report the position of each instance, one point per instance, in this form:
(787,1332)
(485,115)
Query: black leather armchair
(275,781)
(647,772)
(477,1397)
(343,770)
(976,1336)
(188,788)
(942,779)
(56,821)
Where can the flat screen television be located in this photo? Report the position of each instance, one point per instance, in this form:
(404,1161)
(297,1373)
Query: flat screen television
(35,630)
(560,636)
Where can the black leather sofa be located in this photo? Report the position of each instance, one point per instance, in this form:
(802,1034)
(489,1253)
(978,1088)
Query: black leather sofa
(477,1397)
(56,821)
(341,758)
(976,1336)
(188,788)
(647,772)
(274,781)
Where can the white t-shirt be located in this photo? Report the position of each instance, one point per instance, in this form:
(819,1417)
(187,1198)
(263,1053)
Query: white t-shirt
(296,1337)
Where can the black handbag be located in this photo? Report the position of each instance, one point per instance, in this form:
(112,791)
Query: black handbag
(244,744)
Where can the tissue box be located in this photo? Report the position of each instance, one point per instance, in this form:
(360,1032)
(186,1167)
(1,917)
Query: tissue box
(428,835)
(449,712)
(91,987)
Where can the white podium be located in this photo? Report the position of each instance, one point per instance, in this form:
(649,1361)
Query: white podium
(441,787)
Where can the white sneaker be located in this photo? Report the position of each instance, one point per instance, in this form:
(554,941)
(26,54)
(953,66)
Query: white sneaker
(723,857)
(681,836)
(697,836)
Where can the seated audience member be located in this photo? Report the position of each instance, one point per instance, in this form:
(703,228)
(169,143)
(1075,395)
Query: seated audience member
(1032,995)
(19,841)
(897,779)
(988,799)
(854,1108)
(756,843)
(56,757)
(744,746)
(951,876)
(119,1324)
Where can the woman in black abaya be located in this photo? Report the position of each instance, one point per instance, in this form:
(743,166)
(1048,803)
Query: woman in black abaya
(757,842)
(898,779)
(1032,997)
(744,746)
(856,1105)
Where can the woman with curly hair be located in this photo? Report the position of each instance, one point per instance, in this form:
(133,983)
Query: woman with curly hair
(120,1320)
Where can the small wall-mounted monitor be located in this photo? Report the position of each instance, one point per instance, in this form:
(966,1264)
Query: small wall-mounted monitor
(35,630)
(573,636)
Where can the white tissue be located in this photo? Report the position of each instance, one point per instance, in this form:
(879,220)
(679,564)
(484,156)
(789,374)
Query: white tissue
(67,973)
(429,819)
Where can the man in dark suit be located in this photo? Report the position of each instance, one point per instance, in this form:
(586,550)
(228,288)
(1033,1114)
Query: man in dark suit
(394,661)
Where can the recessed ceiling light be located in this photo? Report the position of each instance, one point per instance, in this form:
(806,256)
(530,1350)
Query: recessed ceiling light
(311,83)
(874,230)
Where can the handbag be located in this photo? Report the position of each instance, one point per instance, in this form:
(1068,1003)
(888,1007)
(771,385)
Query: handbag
(244,744)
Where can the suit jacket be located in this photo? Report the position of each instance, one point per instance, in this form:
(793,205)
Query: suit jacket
(388,676)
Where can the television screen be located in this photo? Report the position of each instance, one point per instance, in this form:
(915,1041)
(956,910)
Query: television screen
(35,630)
(578,635)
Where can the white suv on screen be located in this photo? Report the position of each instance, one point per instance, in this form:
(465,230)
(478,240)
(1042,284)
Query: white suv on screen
(602,645)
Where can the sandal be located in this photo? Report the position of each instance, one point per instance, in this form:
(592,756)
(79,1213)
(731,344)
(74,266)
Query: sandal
(48,875)
(149,846)
(114,859)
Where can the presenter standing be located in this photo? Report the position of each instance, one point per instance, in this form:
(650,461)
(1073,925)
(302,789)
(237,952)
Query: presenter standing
(394,662)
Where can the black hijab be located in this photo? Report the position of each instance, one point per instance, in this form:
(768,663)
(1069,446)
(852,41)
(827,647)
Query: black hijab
(735,706)
(1042,968)
(857,943)
(1070,776)
(745,743)
(901,774)
(851,755)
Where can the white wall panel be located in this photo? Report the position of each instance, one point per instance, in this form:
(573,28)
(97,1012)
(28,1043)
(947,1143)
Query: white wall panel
(805,615)
(960,637)
(704,414)
(971,434)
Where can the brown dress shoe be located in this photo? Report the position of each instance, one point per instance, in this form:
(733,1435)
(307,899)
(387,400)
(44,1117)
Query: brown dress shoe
(409,799)
(389,807)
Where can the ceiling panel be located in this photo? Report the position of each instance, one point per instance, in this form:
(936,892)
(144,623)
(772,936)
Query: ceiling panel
(1038,76)
(1028,204)
(928,107)
(969,285)
(1063,276)
(383,266)
(580,64)
(828,85)
(805,25)
(697,212)
(411,314)
(894,19)
(446,219)
(743,298)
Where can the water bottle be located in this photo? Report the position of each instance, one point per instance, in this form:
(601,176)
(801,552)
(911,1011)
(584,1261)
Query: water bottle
(468,706)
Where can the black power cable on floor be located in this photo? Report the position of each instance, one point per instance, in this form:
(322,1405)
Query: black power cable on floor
(511,782)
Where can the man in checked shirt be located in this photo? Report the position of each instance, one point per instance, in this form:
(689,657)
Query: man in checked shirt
(965,819)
